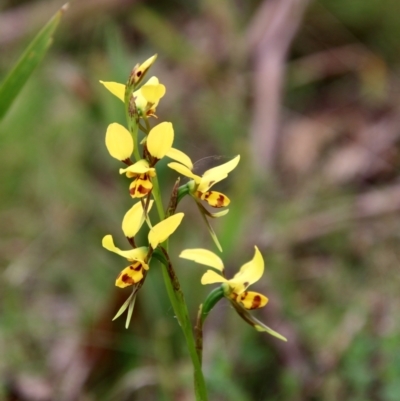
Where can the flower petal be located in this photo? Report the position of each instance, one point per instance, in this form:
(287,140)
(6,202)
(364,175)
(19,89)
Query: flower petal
(216,174)
(141,186)
(119,142)
(141,71)
(250,299)
(149,95)
(180,157)
(211,277)
(116,89)
(206,212)
(204,257)
(130,275)
(160,139)
(161,231)
(214,198)
(249,273)
(140,167)
(153,91)
(134,219)
(251,320)
(181,169)
(131,254)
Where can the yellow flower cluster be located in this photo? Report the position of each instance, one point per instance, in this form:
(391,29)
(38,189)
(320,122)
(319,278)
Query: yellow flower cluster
(140,104)
(157,144)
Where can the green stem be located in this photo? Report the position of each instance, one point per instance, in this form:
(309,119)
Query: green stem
(132,118)
(157,198)
(178,303)
(180,309)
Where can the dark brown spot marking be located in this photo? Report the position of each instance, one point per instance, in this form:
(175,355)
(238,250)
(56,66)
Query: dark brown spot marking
(220,201)
(234,296)
(246,284)
(127,280)
(139,73)
(256,302)
(142,190)
(137,266)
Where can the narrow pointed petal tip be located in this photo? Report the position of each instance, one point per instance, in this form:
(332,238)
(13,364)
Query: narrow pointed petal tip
(212,277)
(161,231)
(180,157)
(181,169)
(249,273)
(139,72)
(204,257)
(116,89)
(217,174)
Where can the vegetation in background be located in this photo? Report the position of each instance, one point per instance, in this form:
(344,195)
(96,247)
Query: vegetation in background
(326,218)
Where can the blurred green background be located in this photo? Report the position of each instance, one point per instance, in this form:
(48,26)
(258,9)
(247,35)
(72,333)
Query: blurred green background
(308,94)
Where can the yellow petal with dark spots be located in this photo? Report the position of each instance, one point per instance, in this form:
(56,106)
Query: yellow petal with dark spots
(214,198)
(130,275)
(119,142)
(141,186)
(116,89)
(141,71)
(250,299)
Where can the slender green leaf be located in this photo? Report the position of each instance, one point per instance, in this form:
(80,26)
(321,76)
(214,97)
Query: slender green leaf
(32,56)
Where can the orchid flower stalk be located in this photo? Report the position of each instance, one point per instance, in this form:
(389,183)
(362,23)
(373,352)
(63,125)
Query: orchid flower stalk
(139,157)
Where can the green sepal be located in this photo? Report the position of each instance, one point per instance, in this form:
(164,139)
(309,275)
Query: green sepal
(159,255)
(252,321)
(124,306)
(213,297)
(130,311)
(210,229)
(183,190)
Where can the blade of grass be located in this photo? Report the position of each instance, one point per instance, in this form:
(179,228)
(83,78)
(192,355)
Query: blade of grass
(29,60)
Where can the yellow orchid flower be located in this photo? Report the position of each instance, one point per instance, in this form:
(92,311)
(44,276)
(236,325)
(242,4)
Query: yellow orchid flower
(137,75)
(131,224)
(133,273)
(146,98)
(234,288)
(142,173)
(199,189)
(159,144)
(200,186)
